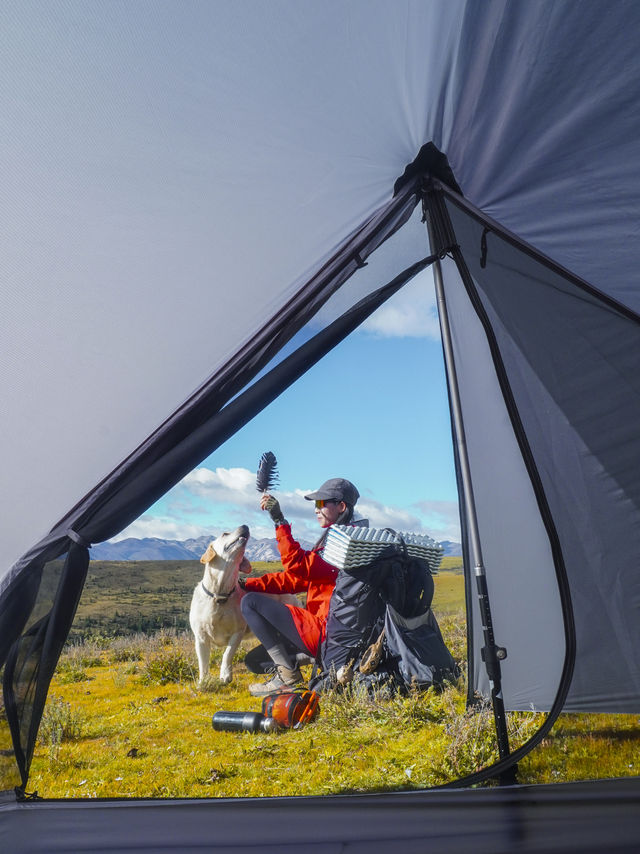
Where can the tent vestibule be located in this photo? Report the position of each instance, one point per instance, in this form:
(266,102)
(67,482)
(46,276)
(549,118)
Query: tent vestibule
(166,164)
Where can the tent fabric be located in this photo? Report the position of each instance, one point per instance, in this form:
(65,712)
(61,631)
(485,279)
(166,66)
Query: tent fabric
(175,136)
(591,817)
(168,164)
(32,659)
(521,577)
(572,360)
(177,446)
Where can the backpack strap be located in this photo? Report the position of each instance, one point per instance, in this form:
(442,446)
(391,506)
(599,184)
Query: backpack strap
(372,656)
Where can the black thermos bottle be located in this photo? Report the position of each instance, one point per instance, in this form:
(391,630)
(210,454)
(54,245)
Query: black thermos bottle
(238,721)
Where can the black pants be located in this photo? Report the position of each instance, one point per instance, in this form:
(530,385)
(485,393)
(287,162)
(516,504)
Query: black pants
(271,622)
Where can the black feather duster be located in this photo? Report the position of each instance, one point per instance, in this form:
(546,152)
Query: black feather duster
(267,476)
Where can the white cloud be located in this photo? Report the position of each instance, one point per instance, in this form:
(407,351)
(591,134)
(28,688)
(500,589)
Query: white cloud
(438,519)
(208,501)
(238,484)
(441,518)
(161,527)
(411,313)
(383,516)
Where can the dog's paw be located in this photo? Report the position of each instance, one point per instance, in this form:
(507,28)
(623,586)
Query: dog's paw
(226,677)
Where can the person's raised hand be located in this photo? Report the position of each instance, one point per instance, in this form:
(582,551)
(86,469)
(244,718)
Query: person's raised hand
(271,505)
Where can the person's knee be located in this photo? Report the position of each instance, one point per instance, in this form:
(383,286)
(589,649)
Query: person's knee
(248,603)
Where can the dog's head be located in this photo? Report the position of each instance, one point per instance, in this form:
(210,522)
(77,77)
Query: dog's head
(229,548)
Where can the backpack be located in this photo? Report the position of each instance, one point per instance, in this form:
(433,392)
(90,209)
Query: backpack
(381,629)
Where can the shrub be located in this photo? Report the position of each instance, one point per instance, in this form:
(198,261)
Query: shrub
(75,661)
(71,671)
(132,648)
(119,676)
(356,705)
(472,743)
(454,631)
(59,723)
(167,665)
(211,685)
(85,653)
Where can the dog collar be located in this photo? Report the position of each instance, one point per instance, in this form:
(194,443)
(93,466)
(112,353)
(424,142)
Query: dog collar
(216,598)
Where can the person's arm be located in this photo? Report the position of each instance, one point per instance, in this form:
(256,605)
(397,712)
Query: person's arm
(300,567)
(307,565)
(276,582)
(294,578)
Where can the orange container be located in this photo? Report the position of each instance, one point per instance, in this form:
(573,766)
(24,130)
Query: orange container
(293,709)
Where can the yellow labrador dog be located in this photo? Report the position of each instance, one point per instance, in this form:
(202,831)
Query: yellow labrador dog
(215,615)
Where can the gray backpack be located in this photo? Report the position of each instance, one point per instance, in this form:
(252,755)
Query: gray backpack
(381,629)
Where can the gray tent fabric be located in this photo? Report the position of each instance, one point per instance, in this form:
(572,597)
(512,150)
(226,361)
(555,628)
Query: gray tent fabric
(524,590)
(572,360)
(593,817)
(184,440)
(164,162)
(148,144)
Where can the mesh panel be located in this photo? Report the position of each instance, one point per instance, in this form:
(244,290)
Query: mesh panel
(32,658)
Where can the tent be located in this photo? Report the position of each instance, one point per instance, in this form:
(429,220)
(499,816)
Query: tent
(274,161)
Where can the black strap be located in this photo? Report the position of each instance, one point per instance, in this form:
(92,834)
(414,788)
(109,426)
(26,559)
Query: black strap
(77,538)
(483,247)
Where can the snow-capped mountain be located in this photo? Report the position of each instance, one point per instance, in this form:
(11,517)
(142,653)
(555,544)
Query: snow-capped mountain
(153,548)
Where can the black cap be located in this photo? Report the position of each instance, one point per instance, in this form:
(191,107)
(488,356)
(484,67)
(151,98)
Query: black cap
(338,489)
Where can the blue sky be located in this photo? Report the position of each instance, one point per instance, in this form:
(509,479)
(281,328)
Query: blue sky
(373,410)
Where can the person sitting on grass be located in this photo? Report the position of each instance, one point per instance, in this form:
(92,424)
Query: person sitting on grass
(291,635)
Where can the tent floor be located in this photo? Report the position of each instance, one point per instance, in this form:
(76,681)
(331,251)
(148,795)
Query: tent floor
(595,816)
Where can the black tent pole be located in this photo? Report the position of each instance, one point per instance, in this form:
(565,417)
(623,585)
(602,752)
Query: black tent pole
(491,654)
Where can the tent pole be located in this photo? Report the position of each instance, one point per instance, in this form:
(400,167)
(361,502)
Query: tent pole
(491,654)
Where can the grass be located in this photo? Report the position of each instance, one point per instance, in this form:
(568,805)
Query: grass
(121,598)
(125,718)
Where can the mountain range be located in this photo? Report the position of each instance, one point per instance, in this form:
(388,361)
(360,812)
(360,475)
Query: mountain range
(153,548)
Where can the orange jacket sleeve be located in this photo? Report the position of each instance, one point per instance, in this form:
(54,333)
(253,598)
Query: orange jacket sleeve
(301,568)
(276,582)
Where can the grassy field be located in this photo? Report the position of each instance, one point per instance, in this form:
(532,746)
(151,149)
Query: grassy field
(125,717)
(125,597)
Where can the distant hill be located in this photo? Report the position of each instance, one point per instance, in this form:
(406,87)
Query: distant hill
(451,549)
(149,548)
(153,548)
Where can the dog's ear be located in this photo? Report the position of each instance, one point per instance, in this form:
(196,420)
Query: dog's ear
(209,554)
(245,566)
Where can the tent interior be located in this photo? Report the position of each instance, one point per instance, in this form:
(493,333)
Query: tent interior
(117,388)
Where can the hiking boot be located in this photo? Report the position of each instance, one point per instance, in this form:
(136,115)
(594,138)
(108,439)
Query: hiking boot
(283,680)
(258,660)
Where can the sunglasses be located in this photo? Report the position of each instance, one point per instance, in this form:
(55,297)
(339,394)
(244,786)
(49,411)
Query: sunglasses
(322,502)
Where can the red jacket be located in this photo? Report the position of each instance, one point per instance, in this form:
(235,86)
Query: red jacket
(304,572)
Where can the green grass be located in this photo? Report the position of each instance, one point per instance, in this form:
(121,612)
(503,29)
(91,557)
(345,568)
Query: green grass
(125,718)
(125,597)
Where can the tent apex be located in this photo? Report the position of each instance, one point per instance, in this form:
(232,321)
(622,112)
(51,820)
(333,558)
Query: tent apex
(429,161)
